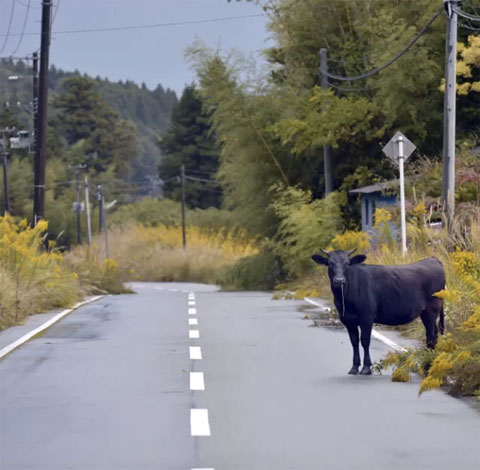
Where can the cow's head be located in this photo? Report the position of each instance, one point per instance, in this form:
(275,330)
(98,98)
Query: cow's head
(338,262)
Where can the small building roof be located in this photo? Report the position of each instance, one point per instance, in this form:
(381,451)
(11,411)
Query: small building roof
(375,188)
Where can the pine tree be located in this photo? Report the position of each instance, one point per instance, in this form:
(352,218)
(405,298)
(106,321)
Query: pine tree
(190,142)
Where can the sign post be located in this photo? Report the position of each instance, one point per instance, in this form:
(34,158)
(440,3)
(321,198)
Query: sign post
(399,148)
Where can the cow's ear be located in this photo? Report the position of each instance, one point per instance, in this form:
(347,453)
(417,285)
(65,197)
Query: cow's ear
(320,259)
(358,259)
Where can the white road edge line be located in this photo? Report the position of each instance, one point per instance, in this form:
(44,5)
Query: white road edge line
(192,311)
(199,425)
(192,321)
(195,352)
(194,334)
(375,333)
(8,349)
(209,468)
(197,381)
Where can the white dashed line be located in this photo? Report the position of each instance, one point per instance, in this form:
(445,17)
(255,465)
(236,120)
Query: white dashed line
(192,311)
(197,381)
(191,295)
(199,425)
(191,303)
(195,352)
(209,468)
(192,321)
(192,334)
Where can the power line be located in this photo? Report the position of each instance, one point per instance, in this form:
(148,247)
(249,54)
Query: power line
(465,15)
(12,11)
(392,60)
(23,28)
(145,26)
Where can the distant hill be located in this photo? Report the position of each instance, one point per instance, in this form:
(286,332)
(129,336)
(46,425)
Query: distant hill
(150,110)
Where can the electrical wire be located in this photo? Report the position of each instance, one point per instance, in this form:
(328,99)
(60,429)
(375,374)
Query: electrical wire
(465,15)
(468,26)
(12,11)
(145,26)
(23,28)
(392,60)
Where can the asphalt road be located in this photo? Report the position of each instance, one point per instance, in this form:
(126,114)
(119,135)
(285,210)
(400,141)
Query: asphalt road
(116,386)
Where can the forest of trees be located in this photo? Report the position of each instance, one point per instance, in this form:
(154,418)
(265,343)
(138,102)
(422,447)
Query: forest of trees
(148,110)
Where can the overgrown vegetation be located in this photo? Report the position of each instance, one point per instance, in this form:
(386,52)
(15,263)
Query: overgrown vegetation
(32,279)
(156,253)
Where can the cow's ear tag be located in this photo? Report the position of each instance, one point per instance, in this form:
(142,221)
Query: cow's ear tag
(320,259)
(358,259)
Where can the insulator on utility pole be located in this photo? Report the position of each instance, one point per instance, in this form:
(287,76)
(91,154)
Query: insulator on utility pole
(327,158)
(182,178)
(449,112)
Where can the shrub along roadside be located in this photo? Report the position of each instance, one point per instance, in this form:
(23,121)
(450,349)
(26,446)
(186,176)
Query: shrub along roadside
(31,279)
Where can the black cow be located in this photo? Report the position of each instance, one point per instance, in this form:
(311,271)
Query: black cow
(391,295)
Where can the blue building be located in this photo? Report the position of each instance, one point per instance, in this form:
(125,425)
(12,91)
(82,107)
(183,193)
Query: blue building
(380,195)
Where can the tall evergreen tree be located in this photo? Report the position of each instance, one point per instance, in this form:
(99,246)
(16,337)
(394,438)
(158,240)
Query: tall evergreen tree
(190,142)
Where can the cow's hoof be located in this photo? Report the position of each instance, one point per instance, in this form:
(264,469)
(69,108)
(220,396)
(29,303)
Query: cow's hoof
(353,371)
(366,370)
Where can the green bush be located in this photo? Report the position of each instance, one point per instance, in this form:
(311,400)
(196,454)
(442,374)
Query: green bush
(306,226)
(257,272)
(148,212)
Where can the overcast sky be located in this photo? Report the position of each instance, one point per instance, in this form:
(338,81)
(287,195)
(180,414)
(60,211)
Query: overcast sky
(154,55)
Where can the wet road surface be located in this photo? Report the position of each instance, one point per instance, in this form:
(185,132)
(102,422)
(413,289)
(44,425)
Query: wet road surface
(167,380)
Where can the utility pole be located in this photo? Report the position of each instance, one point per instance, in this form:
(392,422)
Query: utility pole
(327,158)
(35,101)
(87,210)
(103,218)
(78,206)
(40,148)
(449,111)
(100,208)
(182,178)
(5,182)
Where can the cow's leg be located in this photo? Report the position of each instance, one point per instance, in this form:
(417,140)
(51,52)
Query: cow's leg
(354,339)
(429,319)
(366,333)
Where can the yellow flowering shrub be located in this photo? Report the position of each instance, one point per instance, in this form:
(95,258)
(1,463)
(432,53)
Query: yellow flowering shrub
(350,240)
(33,280)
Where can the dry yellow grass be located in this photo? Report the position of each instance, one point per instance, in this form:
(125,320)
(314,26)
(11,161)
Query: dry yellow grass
(156,253)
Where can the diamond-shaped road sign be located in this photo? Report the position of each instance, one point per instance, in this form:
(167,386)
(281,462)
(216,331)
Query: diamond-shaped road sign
(391,150)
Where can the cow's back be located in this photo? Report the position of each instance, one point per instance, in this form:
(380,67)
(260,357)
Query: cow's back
(400,293)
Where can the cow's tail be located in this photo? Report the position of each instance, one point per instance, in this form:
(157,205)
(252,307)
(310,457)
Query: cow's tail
(441,322)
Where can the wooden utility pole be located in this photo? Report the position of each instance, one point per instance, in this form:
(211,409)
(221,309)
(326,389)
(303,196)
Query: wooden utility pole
(449,111)
(182,178)
(5,182)
(40,155)
(78,206)
(35,102)
(100,208)
(87,210)
(327,158)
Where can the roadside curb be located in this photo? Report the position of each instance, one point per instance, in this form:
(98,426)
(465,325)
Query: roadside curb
(375,333)
(19,342)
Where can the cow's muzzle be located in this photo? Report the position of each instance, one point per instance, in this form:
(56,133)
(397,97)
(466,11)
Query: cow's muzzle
(338,281)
